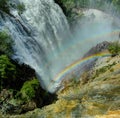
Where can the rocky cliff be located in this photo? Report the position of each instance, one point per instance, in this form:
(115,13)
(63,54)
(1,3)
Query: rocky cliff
(95,95)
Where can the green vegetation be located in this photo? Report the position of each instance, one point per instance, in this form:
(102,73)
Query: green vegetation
(71,7)
(86,3)
(18,88)
(5,43)
(29,88)
(21,8)
(117,4)
(7,71)
(7,68)
(114,48)
(95,97)
(104,69)
(68,8)
(4,5)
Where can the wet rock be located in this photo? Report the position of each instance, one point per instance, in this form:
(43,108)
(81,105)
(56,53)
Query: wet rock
(28,106)
(98,48)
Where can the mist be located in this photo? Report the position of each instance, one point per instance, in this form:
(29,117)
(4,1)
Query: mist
(94,27)
(53,45)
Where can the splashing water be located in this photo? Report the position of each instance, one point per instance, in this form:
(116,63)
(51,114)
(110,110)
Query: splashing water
(50,47)
(48,34)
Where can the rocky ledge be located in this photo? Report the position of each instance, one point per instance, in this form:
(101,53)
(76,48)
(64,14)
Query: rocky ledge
(95,95)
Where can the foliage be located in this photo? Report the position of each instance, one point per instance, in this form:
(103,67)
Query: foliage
(5,43)
(20,8)
(7,70)
(114,48)
(29,88)
(116,3)
(4,5)
(66,5)
(104,69)
(69,5)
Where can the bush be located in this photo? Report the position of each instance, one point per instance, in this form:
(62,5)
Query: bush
(7,71)
(117,4)
(4,5)
(5,43)
(29,88)
(114,48)
(21,8)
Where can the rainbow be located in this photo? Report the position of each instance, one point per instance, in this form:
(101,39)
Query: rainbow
(77,63)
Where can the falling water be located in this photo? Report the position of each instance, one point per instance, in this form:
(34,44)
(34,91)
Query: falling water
(49,32)
(42,38)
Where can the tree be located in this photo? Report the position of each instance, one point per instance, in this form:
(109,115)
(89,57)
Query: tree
(114,48)
(5,43)
(7,71)
(29,88)
(4,5)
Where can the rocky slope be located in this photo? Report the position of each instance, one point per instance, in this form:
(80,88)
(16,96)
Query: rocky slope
(95,95)
(20,91)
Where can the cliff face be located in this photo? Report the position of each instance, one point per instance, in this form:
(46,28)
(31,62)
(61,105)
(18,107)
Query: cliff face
(95,95)
(19,79)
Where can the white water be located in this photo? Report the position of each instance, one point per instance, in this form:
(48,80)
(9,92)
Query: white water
(94,28)
(46,46)
(51,32)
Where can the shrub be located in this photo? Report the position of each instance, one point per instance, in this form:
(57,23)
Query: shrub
(21,8)
(4,5)
(114,48)
(116,3)
(104,69)
(7,71)
(5,43)
(29,88)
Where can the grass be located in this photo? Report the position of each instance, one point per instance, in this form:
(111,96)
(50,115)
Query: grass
(63,105)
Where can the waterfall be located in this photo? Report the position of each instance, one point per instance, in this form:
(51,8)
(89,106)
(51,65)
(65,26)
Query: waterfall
(47,31)
(42,38)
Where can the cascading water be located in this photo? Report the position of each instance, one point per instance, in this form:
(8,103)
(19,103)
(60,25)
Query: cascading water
(49,32)
(41,37)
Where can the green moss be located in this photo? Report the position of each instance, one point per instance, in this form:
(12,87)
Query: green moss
(7,70)
(114,48)
(104,69)
(29,88)
(5,43)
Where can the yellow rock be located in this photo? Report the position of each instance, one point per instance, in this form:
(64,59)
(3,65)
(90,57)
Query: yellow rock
(111,114)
